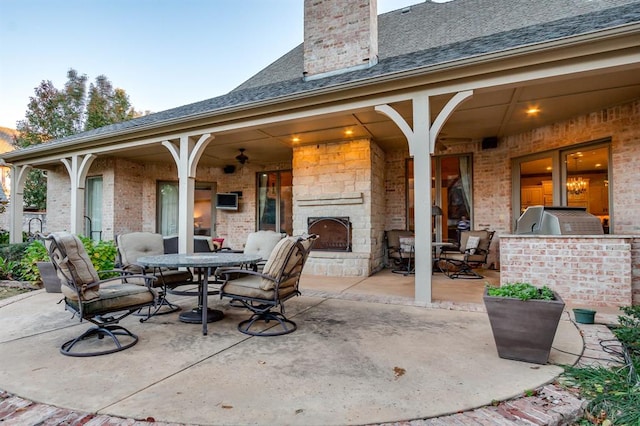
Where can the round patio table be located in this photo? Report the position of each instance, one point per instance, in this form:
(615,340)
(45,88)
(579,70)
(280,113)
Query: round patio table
(206,261)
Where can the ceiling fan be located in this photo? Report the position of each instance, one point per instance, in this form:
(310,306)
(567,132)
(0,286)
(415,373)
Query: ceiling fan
(242,158)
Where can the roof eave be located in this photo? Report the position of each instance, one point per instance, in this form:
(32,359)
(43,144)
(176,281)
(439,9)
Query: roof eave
(401,79)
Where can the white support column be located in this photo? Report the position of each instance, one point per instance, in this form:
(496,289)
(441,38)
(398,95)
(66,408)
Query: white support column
(18,178)
(422,140)
(186,154)
(77,167)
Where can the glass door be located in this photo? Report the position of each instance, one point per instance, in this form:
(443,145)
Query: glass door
(275,201)
(93,208)
(451,192)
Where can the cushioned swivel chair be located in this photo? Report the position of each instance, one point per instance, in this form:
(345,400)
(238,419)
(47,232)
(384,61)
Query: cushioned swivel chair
(261,292)
(101,302)
(399,250)
(133,245)
(472,253)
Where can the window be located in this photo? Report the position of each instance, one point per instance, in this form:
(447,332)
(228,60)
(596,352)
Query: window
(168,208)
(93,208)
(578,176)
(203,208)
(451,190)
(275,201)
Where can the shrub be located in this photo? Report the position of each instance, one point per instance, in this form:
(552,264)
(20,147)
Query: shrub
(35,252)
(4,236)
(101,253)
(7,269)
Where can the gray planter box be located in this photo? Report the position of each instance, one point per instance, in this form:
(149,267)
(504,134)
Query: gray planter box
(524,330)
(49,277)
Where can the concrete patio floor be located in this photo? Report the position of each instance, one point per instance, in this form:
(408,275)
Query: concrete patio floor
(362,354)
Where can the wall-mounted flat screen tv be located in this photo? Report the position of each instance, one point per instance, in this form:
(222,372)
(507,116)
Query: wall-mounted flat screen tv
(227,201)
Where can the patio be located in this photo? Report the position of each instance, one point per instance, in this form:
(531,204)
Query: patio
(363,353)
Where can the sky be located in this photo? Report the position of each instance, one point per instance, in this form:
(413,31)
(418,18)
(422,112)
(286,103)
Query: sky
(163,53)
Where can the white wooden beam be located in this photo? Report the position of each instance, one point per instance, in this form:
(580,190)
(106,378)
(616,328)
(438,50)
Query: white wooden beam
(421,140)
(186,154)
(19,176)
(77,166)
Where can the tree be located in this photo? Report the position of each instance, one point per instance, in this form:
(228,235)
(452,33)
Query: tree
(53,114)
(106,105)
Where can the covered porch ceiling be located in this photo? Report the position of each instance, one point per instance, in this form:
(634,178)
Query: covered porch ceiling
(496,111)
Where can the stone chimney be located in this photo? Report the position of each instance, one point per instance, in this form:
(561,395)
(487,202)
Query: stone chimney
(339,36)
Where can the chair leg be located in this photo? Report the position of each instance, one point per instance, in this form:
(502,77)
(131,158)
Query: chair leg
(100,332)
(155,310)
(284,326)
(468,273)
(462,270)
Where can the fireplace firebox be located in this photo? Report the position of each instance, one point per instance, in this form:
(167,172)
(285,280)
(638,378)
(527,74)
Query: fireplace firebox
(334,233)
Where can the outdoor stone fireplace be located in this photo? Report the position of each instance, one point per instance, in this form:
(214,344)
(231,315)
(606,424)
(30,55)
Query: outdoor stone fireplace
(336,187)
(334,233)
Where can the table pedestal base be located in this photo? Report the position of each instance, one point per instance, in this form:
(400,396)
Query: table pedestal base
(194,316)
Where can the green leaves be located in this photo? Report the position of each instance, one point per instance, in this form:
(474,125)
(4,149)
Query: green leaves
(57,113)
(522,291)
(614,392)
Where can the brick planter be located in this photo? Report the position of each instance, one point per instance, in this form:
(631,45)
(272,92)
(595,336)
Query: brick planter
(523,330)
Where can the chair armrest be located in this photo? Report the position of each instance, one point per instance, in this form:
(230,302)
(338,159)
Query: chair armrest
(225,271)
(148,279)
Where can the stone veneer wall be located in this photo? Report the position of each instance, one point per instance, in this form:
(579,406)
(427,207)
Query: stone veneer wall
(335,179)
(585,270)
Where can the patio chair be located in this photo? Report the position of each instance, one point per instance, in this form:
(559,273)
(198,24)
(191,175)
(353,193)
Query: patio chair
(399,250)
(101,302)
(261,292)
(262,243)
(472,253)
(201,244)
(130,247)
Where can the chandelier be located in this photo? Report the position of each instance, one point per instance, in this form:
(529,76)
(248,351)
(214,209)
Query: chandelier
(576,186)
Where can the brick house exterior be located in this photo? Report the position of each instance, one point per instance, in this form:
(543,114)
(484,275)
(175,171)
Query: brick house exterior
(428,83)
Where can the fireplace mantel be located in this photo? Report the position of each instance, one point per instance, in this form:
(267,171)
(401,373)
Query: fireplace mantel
(331,199)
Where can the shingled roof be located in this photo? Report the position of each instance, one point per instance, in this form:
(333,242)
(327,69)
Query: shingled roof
(415,38)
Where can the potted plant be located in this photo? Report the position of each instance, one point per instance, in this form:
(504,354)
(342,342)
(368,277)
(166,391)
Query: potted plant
(524,320)
(36,266)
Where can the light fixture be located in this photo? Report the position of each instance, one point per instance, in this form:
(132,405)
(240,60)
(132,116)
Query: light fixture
(576,186)
(533,110)
(241,157)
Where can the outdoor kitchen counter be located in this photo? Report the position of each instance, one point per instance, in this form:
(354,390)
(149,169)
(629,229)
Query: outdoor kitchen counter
(587,270)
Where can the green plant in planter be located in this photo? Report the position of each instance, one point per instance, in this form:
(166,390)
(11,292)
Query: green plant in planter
(522,291)
(523,320)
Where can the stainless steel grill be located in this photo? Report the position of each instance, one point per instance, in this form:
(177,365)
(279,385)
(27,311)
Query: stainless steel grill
(558,221)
